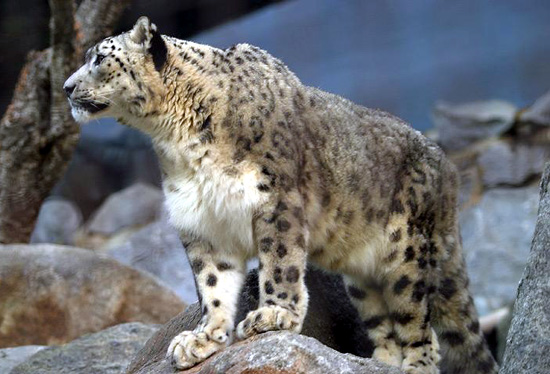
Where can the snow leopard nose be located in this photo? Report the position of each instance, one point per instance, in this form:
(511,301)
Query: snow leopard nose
(69,89)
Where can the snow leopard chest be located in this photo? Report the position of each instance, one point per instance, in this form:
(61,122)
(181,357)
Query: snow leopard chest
(214,207)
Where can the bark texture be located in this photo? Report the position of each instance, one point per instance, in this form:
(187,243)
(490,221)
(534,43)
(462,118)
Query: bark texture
(37,133)
(528,340)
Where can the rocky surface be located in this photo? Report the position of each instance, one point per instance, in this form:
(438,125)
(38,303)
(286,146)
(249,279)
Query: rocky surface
(502,162)
(496,236)
(132,207)
(511,164)
(11,357)
(57,222)
(277,352)
(153,352)
(53,294)
(157,249)
(502,330)
(461,125)
(120,216)
(105,352)
(529,335)
(494,144)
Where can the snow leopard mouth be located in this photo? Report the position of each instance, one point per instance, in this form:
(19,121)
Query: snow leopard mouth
(90,106)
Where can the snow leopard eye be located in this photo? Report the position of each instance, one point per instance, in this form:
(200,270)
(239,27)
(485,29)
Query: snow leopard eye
(98,60)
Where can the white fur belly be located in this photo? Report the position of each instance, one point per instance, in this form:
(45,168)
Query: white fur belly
(218,209)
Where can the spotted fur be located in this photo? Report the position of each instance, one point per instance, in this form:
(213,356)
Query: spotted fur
(256,164)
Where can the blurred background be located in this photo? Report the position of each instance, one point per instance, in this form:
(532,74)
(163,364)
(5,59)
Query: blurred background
(472,74)
(398,55)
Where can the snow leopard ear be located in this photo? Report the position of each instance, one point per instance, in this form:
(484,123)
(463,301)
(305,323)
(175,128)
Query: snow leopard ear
(145,34)
(142,32)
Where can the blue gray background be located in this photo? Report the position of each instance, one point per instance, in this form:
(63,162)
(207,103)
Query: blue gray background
(404,55)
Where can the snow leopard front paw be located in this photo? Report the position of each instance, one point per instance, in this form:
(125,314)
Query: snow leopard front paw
(269,318)
(191,347)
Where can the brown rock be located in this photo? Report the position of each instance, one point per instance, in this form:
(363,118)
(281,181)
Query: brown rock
(52,294)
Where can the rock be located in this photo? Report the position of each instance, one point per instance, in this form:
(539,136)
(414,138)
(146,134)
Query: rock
(52,294)
(496,239)
(120,216)
(461,125)
(157,249)
(153,352)
(505,163)
(334,324)
(278,352)
(105,352)
(500,162)
(136,205)
(539,112)
(528,340)
(57,222)
(11,357)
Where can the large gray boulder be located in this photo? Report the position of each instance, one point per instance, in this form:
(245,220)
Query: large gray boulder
(508,163)
(11,357)
(52,294)
(105,352)
(120,216)
(496,236)
(502,162)
(528,340)
(136,205)
(459,126)
(157,249)
(57,222)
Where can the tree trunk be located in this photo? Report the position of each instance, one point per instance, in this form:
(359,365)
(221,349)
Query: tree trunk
(37,132)
(528,340)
